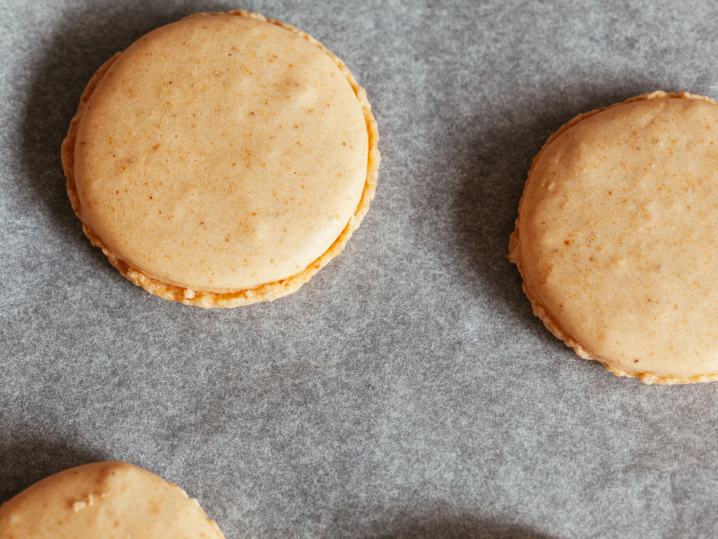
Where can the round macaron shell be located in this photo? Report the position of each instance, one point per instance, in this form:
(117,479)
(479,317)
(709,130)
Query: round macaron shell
(619,237)
(112,500)
(220,153)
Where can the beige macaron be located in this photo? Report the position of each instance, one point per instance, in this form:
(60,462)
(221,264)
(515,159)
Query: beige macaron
(617,237)
(105,500)
(222,160)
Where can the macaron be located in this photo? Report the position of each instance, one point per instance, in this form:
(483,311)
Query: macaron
(617,237)
(222,160)
(105,500)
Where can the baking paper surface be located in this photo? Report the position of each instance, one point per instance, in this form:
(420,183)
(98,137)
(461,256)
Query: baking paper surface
(407,390)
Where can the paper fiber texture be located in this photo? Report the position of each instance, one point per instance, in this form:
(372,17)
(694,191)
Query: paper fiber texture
(407,390)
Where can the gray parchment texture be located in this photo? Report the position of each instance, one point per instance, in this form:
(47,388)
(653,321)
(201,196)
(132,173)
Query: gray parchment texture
(407,390)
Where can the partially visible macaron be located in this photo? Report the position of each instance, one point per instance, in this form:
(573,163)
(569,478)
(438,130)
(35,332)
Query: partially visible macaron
(222,160)
(617,237)
(108,500)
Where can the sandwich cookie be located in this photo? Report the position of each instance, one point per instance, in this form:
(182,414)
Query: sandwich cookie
(105,500)
(222,160)
(617,237)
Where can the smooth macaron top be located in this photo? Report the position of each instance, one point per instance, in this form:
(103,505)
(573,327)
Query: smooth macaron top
(618,233)
(220,153)
(112,500)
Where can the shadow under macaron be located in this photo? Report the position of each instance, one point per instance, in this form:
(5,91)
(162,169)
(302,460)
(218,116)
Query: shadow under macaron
(26,461)
(459,527)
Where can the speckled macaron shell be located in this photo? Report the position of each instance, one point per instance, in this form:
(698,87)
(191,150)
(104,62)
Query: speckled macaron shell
(113,500)
(617,237)
(222,160)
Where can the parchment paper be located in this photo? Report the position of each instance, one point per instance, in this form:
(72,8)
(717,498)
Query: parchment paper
(407,390)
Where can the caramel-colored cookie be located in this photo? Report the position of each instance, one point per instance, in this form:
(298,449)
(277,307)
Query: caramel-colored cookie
(617,237)
(105,500)
(222,160)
